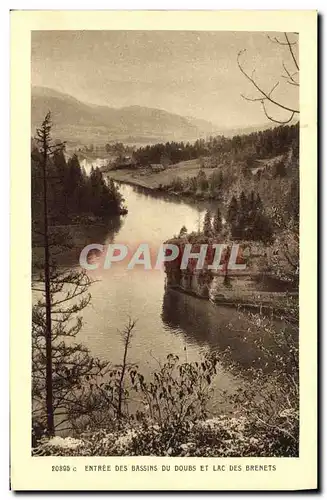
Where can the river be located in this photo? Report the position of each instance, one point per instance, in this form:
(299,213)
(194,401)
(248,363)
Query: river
(167,321)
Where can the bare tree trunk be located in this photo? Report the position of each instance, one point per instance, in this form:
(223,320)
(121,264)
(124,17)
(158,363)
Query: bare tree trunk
(127,334)
(48,329)
(121,383)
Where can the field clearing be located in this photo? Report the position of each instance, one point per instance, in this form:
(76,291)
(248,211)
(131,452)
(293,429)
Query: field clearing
(152,180)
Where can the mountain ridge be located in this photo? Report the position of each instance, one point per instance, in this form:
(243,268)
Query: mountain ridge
(78,122)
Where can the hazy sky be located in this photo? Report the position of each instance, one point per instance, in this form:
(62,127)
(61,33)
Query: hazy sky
(189,73)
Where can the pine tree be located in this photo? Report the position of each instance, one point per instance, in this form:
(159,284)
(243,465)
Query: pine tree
(293,202)
(207,226)
(258,203)
(59,207)
(232,215)
(217,222)
(261,229)
(252,202)
(183,231)
(62,371)
(47,148)
(244,219)
(244,206)
(202,181)
(74,186)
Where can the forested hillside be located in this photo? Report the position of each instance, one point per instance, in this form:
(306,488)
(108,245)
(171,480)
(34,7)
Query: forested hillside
(254,146)
(71,193)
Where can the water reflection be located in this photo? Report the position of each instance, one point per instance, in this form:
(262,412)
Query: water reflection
(207,325)
(199,205)
(167,322)
(68,241)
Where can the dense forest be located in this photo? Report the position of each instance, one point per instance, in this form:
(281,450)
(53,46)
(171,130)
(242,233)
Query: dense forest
(71,192)
(93,397)
(245,220)
(258,199)
(239,397)
(257,145)
(253,177)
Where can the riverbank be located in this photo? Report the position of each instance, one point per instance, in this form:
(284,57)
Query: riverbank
(268,303)
(149,178)
(253,288)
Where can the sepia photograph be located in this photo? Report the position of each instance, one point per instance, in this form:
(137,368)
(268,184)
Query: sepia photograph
(165,243)
(163,251)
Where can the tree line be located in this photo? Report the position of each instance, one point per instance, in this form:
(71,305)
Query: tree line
(74,391)
(256,145)
(245,219)
(71,192)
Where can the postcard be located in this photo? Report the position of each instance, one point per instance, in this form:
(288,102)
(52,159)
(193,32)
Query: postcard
(163,250)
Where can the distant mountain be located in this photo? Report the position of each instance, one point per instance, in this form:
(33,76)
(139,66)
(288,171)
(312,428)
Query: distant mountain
(81,123)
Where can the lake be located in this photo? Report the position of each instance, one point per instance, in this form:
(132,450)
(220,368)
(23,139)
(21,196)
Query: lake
(168,321)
